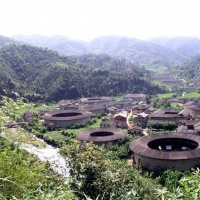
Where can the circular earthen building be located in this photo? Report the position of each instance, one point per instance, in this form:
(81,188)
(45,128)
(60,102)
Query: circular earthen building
(66,118)
(102,136)
(176,151)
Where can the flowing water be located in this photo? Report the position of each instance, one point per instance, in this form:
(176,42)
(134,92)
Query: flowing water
(48,154)
(51,155)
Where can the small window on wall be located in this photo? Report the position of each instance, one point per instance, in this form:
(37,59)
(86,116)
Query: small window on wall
(170,164)
(177,164)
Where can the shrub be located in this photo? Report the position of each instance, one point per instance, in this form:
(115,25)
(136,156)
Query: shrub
(22,176)
(167,125)
(94,175)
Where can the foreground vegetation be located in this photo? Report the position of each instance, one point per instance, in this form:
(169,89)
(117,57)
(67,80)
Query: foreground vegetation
(22,176)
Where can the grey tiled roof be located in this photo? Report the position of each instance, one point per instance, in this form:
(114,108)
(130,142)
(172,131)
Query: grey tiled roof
(140,146)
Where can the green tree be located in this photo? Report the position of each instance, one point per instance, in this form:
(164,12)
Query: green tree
(94,175)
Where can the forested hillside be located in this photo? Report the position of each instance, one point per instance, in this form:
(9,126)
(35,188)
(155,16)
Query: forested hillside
(106,62)
(41,74)
(191,68)
(5,40)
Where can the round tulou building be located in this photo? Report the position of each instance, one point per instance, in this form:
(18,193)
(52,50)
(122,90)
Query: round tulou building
(66,118)
(102,136)
(176,151)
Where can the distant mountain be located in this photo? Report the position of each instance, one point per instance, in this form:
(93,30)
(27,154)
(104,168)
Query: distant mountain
(106,62)
(134,50)
(42,74)
(6,41)
(187,46)
(58,43)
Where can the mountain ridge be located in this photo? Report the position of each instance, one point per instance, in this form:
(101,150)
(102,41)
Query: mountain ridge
(137,51)
(42,74)
(187,46)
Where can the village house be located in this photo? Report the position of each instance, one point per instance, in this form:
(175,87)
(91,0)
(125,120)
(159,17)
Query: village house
(121,119)
(106,123)
(140,119)
(189,126)
(190,103)
(195,109)
(189,88)
(95,101)
(136,130)
(113,110)
(142,108)
(172,115)
(123,105)
(178,82)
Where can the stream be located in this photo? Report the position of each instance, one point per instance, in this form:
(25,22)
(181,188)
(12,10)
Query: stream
(48,154)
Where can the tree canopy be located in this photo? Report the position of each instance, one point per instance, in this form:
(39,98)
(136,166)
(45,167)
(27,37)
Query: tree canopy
(42,74)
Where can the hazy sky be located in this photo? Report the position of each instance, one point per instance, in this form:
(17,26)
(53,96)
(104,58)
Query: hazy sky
(87,19)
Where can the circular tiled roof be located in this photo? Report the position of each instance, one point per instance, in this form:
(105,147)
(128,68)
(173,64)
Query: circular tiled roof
(141,146)
(101,135)
(63,115)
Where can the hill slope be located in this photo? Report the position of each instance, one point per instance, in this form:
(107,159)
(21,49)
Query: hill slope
(57,43)
(134,50)
(44,74)
(191,68)
(187,46)
(6,41)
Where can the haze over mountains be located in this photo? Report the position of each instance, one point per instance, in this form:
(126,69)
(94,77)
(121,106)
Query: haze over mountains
(187,46)
(155,52)
(109,65)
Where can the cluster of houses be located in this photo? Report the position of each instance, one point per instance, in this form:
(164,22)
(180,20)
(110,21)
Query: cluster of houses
(131,112)
(176,83)
(177,151)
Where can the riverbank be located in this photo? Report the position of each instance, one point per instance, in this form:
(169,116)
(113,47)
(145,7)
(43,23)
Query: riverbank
(40,148)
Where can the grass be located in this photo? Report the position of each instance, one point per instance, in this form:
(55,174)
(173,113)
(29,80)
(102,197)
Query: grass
(177,106)
(20,135)
(167,95)
(118,99)
(50,106)
(191,95)
(58,134)
(158,69)
(54,134)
